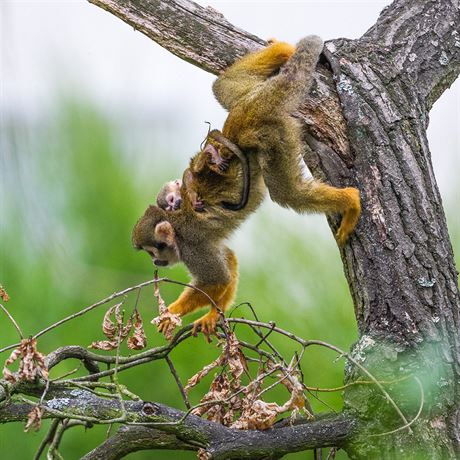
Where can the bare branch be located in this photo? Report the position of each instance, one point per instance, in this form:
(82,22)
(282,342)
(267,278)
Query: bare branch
(134,438)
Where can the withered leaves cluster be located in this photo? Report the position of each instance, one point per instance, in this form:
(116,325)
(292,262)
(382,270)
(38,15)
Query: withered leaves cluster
(233,404)
(116,331)
(31,363)
(3,294)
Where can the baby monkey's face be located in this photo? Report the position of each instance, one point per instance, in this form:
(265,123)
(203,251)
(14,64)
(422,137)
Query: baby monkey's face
(169,197)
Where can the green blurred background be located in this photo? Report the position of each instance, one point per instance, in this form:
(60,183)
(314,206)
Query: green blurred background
(75,176)
(71,203)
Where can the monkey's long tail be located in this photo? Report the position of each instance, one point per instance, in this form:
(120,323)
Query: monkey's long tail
(296,75)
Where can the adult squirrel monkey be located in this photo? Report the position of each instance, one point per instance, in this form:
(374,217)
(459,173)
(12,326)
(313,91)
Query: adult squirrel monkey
(260,94)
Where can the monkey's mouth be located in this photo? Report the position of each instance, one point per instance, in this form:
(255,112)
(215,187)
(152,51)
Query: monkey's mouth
(160,263)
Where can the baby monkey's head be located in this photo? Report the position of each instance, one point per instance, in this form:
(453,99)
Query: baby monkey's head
(169,197)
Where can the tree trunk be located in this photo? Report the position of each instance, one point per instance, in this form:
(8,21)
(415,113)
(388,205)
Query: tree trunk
(399,263)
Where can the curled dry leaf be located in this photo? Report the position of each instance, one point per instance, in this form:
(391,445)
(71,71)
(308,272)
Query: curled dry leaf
(114,330)
(3,294)
(108,326)
(138,340)
(161,303)
(221,411)
(31,364)
(260,415)
(105,345)
(235,357)
(34,419)
(167,323)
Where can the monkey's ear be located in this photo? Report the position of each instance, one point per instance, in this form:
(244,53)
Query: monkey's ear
(164,232)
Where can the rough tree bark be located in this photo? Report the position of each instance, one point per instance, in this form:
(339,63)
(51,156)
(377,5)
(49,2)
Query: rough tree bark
(365,123)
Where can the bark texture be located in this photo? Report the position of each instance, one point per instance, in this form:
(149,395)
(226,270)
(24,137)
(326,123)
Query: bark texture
(365,122)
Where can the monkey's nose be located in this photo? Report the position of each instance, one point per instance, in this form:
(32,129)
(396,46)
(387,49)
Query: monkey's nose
(177,204)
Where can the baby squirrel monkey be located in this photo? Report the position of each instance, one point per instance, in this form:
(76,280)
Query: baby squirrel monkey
(260,94)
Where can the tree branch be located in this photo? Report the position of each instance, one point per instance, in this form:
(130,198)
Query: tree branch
(130,439)
(188,432)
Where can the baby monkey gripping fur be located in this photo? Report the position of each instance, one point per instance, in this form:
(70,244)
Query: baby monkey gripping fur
(260,98)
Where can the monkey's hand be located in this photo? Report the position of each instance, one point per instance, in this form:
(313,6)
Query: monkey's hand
(206,324)
(167,323)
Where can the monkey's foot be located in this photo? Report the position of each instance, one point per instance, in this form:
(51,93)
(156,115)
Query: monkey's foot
(342,236)
(206,324)
(166,323)
(350,216)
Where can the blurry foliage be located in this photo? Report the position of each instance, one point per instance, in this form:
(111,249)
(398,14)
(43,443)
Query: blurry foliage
(71,197)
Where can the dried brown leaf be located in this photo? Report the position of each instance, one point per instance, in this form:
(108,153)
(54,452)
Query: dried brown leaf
(7,374)
(221,411)
(3,294)
(235,357)
(161,303)
(31,363)
(167,323)
(259,416)
(106,345)
(108,326)
(34,419)
(138,340)
(113,329)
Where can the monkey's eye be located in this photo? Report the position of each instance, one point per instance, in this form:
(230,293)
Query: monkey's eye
(160,246)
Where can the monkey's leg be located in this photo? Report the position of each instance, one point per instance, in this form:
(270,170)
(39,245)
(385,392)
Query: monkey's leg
(207,323)
(266,61)
(242,76)
(283,178)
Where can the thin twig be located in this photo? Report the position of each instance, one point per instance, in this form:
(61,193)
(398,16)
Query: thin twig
(179,383)
(47,439)
(83,312)
(422,403)
(7,313)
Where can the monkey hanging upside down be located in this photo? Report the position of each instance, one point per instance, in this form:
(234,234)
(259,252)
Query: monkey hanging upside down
(194,217)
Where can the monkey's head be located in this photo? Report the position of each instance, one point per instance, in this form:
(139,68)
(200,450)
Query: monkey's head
(169,197)
(156,236)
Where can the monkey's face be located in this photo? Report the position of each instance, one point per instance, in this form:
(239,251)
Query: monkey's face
(158,239)
(162,255)
(169,197)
